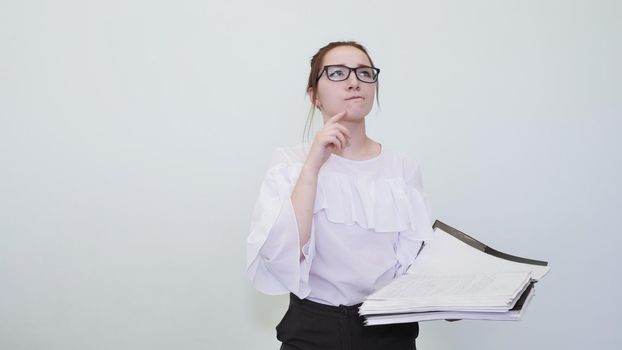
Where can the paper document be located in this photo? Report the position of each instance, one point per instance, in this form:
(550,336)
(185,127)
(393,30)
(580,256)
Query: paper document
(456,276)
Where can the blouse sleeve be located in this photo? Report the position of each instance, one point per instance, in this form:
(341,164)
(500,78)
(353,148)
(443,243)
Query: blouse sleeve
(411,239)
(274,263)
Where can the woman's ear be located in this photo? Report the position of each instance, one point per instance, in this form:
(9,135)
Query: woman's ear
(315,102)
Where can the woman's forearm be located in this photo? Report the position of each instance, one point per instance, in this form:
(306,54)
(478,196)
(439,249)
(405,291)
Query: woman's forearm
(303,199)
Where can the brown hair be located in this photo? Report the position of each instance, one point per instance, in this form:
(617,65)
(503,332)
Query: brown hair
(316,68)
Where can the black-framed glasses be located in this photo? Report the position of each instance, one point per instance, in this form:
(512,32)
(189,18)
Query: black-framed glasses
(341,73)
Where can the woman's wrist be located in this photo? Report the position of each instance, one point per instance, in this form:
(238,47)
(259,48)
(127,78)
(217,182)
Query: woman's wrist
(309,168)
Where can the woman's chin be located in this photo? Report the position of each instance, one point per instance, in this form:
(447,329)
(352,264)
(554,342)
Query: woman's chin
(355,114)
(352,114)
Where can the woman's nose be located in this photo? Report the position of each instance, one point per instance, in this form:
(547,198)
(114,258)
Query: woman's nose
(353,82)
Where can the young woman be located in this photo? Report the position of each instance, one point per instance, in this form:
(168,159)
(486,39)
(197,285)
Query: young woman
(339,218)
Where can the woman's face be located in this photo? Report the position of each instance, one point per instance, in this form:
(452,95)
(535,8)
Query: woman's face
(350,95)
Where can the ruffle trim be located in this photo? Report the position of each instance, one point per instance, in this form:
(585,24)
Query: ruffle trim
(381,205)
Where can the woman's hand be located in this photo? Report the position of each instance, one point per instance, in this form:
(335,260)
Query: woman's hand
(333,137)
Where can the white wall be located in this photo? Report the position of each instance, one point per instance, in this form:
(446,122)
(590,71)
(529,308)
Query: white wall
(134,136)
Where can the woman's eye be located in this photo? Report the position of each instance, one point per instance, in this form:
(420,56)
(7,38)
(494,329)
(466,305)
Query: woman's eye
(365,73)
(336,73)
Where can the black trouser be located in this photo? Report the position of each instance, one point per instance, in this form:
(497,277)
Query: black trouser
(308,325)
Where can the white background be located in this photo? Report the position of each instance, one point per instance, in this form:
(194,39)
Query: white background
(134,136)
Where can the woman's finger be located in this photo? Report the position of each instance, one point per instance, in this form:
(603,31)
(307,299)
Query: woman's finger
(336,118)
(339,134)
(343,129)
(337,142)
(342,139)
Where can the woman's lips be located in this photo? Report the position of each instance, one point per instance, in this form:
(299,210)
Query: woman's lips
(355,98)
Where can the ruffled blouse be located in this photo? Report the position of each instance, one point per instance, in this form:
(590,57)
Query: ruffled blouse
(369,220)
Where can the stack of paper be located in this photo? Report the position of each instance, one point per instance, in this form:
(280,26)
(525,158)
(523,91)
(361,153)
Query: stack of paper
(457,277)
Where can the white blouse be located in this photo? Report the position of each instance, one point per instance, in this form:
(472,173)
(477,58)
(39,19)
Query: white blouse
(369,220)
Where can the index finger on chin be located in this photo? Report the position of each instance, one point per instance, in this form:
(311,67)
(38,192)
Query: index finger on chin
(337,116)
